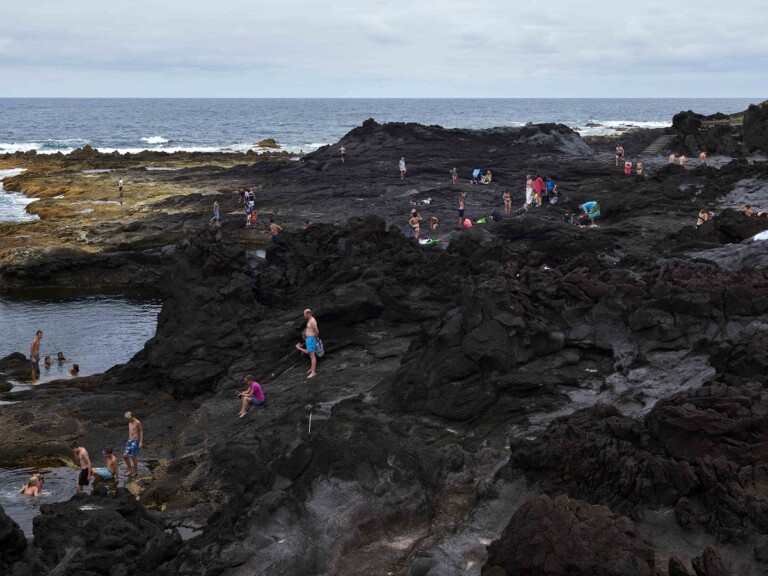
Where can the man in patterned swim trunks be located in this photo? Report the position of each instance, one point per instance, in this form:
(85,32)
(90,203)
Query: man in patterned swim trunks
(133,445)
(109,473)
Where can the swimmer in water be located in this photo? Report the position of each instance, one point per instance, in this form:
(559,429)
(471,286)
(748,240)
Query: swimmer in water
(32,487)
(75,371)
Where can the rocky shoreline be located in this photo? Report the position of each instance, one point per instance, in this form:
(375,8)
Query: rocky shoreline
(524,397)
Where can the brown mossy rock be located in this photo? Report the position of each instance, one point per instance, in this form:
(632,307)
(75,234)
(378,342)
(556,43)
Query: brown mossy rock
(564,537)
(268,143)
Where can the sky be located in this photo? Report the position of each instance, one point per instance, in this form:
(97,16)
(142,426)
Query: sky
(393,48)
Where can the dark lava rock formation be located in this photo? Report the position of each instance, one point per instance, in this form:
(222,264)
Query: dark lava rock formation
(602,388)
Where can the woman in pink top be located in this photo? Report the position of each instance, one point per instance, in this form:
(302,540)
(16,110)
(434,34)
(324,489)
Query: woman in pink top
(628,167)
(251,395)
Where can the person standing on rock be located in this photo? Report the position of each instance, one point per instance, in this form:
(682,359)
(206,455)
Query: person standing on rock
(507,203)
(120,186)
(133,445)
(682,159)
(342,154)
(703,158)
(402,167)
(415,224)
(312,334)
(538,189)
(528,191)
(462,198)
(454,175)
(84,462)
(34,352)
(672,158)
(591,213)
(274,230)
(215,212)
(628,167)
(619,154)
(639,167)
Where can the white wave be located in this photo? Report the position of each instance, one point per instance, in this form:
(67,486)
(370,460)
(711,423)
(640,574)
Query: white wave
(155,140)
(613,127)
(10,148)
(12,204)
(12,172)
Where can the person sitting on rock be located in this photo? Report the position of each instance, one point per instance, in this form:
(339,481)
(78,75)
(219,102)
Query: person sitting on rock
(32,487)
(568,218)
(109,473)
(703,217)
(486,178)
(253,394)
(747,209)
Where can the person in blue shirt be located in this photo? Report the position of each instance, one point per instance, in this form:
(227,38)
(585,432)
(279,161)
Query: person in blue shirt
(591,213)
(551,190)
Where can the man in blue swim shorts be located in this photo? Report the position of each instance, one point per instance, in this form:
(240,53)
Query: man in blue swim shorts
(133,445)
(312,333)
(110,472)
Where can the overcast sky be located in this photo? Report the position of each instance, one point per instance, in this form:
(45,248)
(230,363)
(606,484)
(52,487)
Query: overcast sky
(386,48)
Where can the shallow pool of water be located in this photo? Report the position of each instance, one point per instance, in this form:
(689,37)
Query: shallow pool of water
(95,331)
(59,485)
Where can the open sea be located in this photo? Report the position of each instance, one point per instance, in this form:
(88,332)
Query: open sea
(209,125)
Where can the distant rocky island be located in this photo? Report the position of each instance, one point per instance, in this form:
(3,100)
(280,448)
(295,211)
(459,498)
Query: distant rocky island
(521,397)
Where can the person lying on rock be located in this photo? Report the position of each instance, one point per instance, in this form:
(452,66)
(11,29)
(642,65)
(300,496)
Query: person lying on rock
(32,487)
(109,473)
(253,394)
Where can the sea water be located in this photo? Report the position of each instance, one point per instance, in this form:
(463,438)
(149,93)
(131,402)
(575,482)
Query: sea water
(94,331)
(12,204)
(59,484)
(230,125)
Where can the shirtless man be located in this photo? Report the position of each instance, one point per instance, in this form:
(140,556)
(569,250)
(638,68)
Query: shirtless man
(274,230)
(639,166)
(134,444)
(703,158)
(462,197)
(312,333)
(82,460)
(507,203)
(619,153)
(110,472)
(672,158)
(343,154)
(34,352)
(682,159)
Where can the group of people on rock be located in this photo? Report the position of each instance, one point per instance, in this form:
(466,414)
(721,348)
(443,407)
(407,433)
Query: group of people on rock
(619,155)
(107,473)
(34,358)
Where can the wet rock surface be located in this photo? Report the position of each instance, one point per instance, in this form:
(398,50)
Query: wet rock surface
(587,379)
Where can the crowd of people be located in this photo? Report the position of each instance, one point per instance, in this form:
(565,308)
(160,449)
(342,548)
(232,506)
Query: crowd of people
(34,358)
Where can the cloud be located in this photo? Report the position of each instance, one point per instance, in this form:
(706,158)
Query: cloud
(365,48)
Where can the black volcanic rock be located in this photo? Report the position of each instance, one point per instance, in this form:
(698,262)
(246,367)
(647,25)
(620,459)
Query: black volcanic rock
(563,537)
(13,543)
(102,535)
(756,127)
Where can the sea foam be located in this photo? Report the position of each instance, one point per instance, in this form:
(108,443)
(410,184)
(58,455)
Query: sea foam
(155,140)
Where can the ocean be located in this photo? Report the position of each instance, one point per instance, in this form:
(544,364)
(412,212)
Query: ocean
(210,125)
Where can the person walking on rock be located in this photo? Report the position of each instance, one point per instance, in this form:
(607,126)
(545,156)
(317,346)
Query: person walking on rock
(84,462)
(402,168)
(253,394)
(462,198)
(215,212)
(134,444)
(343,154)
(312,333)
(274,230)
(454,175)
(34,353)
